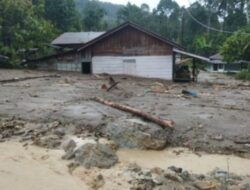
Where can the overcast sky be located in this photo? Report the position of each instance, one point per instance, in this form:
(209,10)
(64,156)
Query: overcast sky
(151,3)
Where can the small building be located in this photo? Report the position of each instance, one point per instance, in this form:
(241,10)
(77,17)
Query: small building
(217,64)
(127,49)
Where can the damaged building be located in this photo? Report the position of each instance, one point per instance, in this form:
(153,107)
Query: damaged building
(127,49)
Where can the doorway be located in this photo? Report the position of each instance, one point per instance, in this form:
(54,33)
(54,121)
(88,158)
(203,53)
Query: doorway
(86,67)
(215,67)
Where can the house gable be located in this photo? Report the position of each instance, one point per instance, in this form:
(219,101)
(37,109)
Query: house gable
(130,40)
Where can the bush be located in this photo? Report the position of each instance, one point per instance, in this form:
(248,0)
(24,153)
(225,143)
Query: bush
(243,75)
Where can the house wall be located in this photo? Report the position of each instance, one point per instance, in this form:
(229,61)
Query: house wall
(132,52)
(130,42)
(143,66)
(66,62)
(224,67)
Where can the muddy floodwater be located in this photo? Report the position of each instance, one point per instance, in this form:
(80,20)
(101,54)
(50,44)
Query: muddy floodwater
(196,163)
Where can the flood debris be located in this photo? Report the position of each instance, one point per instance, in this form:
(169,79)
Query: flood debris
(165,123)
(28,78)
(189,93)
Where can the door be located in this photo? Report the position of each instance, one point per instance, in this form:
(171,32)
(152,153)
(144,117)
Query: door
(86,67)
(129,66)
(215,67)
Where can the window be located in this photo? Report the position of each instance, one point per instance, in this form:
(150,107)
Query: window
(129,61)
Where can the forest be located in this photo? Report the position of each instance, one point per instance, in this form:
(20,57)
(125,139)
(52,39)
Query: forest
(204,27)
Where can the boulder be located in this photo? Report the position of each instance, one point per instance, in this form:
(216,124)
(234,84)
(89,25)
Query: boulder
(134,133)
(96,155)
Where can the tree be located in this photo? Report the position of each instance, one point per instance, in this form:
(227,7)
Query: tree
(237,46)
(22,27)
(93,17)
(63,14)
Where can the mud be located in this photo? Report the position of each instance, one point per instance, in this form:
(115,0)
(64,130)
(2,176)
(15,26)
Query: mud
(212,129)
(220,110)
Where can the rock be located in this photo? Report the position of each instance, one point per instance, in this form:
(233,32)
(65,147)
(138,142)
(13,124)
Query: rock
(54,124)
(175,169)
(142,184)
(69,147)
(51,141)
(134,168)
(59,132)
(134,133)
(218,137)
(221,174)
(96,155)
(185,175)
(111,144)
(172,176)
(205,185)
(98,182)
(159,180)
(245,186)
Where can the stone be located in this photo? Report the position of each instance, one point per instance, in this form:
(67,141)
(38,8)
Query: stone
(96,155)
(98,182)
(159,180)
(134,133)
(170,174)
(59,132)
(175,169)
(185,175)
(205,185)
(245,186)
(221,174)
(50,141)
(69,145)
(218,137)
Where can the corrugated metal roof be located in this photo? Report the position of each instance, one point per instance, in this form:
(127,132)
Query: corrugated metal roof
(76,38)
(217,56)
(191,55)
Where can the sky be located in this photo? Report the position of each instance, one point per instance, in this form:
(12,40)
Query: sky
(151,3)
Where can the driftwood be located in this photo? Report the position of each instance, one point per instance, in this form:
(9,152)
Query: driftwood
(162,122)
(242,142)
(27,78)
(112,86)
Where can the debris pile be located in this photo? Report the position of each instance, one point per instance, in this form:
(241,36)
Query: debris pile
(177,178)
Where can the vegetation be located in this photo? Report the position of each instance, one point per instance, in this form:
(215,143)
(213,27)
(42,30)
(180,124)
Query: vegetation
(28,26)
(243,75)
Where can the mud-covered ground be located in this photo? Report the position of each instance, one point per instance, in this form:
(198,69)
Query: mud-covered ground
(215,121)
(47,111)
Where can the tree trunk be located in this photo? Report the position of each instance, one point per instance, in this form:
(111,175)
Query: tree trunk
(163,123)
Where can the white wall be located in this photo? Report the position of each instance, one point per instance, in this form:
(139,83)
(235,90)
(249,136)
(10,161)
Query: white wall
(144,66)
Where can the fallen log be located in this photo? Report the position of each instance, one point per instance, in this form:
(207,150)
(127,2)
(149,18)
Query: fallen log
(27,78)
(162,122)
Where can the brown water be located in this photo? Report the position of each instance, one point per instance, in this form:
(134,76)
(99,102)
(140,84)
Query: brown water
(187,160)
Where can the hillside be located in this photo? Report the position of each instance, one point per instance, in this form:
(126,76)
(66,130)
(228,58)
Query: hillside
(110,8)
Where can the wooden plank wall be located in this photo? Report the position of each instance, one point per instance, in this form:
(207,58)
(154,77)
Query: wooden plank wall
(131,42)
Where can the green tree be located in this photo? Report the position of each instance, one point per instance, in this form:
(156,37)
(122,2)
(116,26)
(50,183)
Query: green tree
(93,17)
(63,14)
(22,27)
(237,46)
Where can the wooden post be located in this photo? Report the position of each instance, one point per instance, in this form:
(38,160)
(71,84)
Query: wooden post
(194,70)
(174,59)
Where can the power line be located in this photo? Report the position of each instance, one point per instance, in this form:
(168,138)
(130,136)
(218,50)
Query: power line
(209,27)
